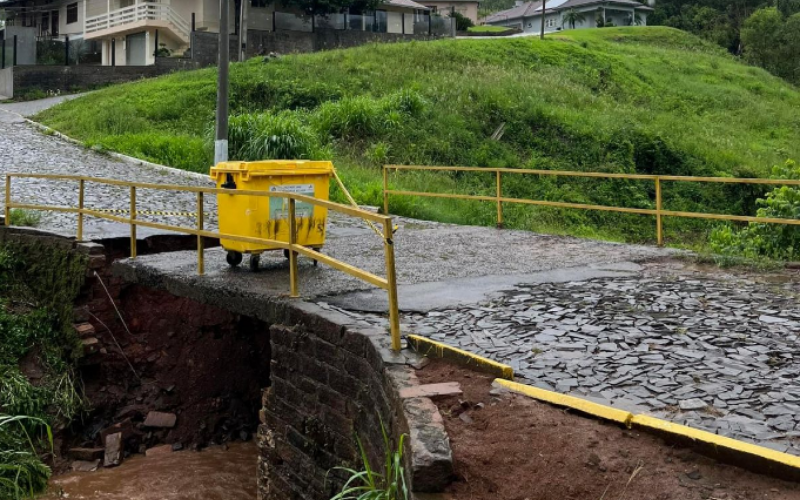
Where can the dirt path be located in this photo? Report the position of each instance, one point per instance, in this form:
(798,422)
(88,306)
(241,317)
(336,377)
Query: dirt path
(515,448)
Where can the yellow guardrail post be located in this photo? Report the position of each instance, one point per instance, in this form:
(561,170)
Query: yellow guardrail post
(292,253)
(8,201)
(385,190)
(391,285)
(201,262)
(132,222)
(659,227)
(81,188)
(499,201)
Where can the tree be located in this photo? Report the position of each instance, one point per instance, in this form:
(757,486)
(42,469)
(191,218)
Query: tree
(762,39)
(573,17)
(463,23)
(788,7)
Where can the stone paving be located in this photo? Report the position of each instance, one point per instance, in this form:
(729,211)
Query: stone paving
(713,354)
(25,149)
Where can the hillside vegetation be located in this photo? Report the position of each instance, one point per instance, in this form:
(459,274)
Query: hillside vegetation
(648,100)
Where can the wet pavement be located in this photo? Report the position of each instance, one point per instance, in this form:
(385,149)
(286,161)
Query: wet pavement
(25,149)
(710,350)
(706,350)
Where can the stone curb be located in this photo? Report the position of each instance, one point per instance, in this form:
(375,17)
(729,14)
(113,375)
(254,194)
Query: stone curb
(581,405)
(739,453)
(430,348)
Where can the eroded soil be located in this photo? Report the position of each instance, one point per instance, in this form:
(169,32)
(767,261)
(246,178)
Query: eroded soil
(515,448)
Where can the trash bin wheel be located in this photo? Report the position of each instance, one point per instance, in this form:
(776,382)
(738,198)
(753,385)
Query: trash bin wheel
(255,259)
(234,258)
(316,264)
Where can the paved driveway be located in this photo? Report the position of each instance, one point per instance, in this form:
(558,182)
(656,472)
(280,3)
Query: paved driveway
(23,148)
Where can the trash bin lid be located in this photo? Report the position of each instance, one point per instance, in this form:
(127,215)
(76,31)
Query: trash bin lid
(274,167)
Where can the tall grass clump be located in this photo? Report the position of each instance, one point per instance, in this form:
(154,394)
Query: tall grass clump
(35,333)
(22,473)
(271,136)
(387,483)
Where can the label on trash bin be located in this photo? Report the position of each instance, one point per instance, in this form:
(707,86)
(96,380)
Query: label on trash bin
(279,207)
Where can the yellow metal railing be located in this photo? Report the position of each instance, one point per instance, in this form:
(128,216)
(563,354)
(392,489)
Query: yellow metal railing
(658,212)
(389,283)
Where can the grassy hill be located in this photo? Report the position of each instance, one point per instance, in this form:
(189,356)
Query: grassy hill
(649,100)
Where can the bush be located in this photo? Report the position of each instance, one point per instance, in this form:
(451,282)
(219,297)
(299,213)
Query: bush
(773,241)
(19,217)
(463,23)
(270,136)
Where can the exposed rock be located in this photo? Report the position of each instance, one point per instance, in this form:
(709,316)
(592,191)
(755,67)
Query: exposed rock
(113,450)
(85,466)
(160,420)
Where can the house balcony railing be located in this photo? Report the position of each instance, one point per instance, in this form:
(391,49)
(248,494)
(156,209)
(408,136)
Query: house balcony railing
(144,11)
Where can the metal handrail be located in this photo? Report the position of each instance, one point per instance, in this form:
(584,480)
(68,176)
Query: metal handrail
(389,283)
(658,212)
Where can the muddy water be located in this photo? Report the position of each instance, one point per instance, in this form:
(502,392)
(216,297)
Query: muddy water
(212,474)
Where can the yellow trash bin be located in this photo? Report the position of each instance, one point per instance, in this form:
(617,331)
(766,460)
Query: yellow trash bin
(267,217)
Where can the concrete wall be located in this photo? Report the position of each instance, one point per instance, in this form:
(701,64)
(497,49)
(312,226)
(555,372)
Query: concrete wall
(63,78)
(468,9)
(204,45)
(7,82)
(72,28)
(26,43)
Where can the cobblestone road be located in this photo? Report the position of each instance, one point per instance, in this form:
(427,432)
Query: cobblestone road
(716,354)
(25,149)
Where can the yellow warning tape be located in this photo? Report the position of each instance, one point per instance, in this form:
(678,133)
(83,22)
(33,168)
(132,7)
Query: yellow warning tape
(166,213)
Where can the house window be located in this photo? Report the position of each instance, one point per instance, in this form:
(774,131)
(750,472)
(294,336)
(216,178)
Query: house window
(551,22)
(72,13)
(54,23)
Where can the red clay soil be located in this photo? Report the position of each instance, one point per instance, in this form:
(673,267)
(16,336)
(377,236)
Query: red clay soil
(515,448)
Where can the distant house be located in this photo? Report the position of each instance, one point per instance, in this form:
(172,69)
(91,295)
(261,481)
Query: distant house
(467,8)
(134,32)
(528,16)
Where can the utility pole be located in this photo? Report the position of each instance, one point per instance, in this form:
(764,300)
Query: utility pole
(544,8)
(221,138)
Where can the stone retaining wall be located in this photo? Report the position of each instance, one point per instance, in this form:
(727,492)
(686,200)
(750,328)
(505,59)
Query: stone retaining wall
(331,383)
(331,379)
(71,78)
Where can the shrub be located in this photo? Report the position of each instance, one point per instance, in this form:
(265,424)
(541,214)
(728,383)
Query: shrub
(19,217)
(463,23)
(773,241)
(263,136)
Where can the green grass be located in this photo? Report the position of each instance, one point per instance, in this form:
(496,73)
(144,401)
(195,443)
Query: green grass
(646,100)
(33,330)
(487,29)
(19,217)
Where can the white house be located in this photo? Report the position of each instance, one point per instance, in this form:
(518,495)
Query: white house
(560,14)
(131,32)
